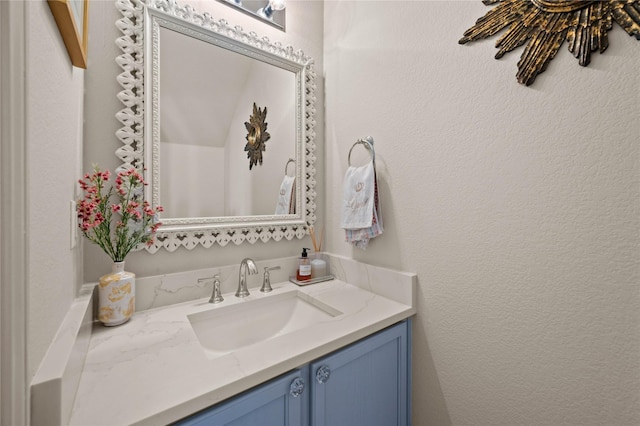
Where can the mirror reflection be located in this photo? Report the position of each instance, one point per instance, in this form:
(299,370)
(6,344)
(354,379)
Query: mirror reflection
(206,95)
(271,12)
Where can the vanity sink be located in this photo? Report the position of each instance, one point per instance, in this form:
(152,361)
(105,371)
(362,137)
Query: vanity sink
(225,329)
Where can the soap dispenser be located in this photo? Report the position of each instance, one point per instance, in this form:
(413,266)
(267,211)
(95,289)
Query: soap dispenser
(304,267)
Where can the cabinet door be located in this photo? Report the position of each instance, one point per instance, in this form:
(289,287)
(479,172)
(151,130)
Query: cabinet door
(365,384)
(281,402)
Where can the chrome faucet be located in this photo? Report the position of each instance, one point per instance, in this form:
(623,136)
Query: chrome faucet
(246,265)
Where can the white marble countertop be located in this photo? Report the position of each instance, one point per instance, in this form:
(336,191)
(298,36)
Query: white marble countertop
(152,370)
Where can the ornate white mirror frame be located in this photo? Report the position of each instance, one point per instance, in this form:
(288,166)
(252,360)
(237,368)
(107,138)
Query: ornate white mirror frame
(139,150)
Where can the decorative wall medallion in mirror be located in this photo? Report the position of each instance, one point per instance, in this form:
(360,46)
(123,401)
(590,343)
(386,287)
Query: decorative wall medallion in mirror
(543,25)
(187,80)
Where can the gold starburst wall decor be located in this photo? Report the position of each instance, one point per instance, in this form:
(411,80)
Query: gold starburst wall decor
(543,25)
(257,135)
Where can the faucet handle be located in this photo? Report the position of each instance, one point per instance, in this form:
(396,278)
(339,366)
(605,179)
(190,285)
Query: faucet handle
(216,296)
(266,282)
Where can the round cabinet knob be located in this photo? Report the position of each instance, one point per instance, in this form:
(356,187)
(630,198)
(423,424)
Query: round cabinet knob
(297,387)
(322,374)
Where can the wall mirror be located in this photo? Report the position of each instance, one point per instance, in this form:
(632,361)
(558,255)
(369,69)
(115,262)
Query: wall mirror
(200,97)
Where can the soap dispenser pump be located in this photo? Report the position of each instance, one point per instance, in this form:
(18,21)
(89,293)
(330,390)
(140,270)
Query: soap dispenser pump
(304,267)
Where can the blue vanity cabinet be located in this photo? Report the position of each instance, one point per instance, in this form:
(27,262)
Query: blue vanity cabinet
(283,401)
(365,384)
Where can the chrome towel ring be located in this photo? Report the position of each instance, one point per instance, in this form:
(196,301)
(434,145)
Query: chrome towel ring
(368,143)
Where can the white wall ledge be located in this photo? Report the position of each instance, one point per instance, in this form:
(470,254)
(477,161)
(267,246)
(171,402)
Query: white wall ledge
(55,384)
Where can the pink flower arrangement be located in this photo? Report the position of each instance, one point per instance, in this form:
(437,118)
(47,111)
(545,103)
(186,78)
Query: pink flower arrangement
(135,221)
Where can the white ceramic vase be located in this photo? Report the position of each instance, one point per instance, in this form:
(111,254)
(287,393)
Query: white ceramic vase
(116,296)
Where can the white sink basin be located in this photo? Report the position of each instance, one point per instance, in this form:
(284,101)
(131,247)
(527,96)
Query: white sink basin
(225,329)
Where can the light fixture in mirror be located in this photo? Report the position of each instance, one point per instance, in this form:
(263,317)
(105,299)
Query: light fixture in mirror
(179,106)
(271,12)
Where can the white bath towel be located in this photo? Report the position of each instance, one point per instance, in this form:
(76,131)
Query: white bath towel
(358,197)
(286,197)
